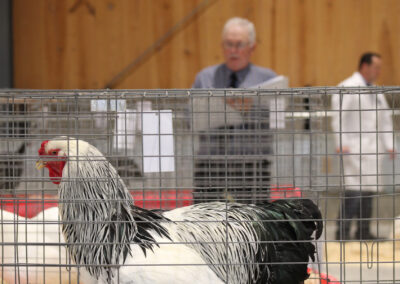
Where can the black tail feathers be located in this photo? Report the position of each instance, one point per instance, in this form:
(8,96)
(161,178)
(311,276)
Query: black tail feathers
(298,221)
(306,210)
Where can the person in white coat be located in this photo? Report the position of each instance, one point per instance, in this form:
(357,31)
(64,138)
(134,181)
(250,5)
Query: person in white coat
(363,129)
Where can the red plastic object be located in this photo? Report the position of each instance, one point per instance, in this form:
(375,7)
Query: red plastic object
(26,206)
(284,191)
(323,278)
(30,206)
(164,199)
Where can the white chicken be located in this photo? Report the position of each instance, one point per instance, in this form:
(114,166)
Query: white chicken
(31,249)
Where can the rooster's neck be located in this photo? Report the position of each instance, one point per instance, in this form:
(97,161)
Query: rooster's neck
(98,209)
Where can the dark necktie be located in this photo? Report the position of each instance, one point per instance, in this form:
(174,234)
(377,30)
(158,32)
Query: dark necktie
(233,83)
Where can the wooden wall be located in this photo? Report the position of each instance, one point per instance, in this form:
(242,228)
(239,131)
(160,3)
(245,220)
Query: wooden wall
(85,43)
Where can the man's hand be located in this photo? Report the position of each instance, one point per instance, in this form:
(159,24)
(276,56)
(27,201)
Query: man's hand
(344,150)
(240,103)
(392,154)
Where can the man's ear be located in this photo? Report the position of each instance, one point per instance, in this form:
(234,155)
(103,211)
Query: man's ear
(253,47)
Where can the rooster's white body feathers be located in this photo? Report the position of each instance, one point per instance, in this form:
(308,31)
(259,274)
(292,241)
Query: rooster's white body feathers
(117,242)
(168,264)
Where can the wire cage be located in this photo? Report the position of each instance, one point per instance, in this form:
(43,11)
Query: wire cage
(177,148)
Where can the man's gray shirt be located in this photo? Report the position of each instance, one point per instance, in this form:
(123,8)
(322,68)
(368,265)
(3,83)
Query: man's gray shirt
(218,76)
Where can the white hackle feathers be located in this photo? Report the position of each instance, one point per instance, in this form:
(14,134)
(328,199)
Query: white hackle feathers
(96,205)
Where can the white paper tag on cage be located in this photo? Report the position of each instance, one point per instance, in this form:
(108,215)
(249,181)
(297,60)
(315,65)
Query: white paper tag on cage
(277,113)
(125,130)
(142,107)
(102,105)
(158,142)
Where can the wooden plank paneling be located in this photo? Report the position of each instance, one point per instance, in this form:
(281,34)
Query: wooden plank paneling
(85,43)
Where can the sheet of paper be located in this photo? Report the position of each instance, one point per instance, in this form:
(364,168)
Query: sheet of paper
(278,82)
(125,130)
(158,142)
(276,103)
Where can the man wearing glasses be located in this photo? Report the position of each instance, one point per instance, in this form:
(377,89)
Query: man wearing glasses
(238,44)
(246,140)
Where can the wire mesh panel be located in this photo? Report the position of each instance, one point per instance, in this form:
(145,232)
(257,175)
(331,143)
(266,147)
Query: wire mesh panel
(230,178)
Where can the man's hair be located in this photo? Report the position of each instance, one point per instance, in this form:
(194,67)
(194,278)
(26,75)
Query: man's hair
(236,21)
(367,58)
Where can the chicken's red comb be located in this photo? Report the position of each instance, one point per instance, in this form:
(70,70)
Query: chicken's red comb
(41,150)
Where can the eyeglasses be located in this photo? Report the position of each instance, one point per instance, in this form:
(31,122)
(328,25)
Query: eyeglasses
(235,45)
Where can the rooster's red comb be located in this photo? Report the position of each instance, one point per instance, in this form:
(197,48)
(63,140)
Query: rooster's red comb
(41,150)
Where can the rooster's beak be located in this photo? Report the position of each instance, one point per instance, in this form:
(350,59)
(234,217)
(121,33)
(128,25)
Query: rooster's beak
(40,164)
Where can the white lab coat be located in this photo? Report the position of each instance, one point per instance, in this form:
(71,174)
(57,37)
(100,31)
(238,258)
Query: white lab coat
(368,140)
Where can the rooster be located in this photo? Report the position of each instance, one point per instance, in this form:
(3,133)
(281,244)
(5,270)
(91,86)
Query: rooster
(118,242)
